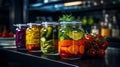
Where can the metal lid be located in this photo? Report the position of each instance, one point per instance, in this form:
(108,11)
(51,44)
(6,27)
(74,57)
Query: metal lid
(50,23)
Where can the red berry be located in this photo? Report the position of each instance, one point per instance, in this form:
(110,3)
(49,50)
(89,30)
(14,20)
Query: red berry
(101,53)
(91,52)
(4,34)
(87,44)
(90,37)
(11,34)
(99,37)
(104,45)
(96,45)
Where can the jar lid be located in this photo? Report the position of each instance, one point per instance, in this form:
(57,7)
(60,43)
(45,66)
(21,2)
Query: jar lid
(50,23)
(19,25)
(33,24)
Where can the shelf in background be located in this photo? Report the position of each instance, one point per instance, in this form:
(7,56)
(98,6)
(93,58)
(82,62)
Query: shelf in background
(7,38)
(58,6)
(8,42)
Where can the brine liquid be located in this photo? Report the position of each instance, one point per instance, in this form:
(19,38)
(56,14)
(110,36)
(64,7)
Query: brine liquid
(49,40)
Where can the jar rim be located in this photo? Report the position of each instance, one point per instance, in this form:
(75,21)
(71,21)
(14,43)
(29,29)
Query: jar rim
(70,22)
(33,24)
(50,22)
(19,25)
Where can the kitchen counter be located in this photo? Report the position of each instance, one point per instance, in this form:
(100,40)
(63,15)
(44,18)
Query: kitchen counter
(11,57)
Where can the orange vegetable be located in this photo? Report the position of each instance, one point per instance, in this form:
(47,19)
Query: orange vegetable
(73,49)
(65,43)
(63,49)
(81,49)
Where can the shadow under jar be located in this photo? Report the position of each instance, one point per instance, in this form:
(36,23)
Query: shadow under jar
(70,34)
(49,38)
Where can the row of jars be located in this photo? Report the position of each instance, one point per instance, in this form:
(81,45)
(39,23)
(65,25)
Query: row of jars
(52,38)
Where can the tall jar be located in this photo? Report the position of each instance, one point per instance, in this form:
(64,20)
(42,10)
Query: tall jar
(33,36)
(70,35)
(49,38)
(20,35)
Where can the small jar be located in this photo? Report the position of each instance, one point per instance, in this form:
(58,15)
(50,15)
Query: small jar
(95,29)
(33,36)
(20,35)
(49,38)
(70,35)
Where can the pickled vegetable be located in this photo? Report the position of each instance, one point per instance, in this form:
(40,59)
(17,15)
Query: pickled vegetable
(49,39)
(76,35)
(20,38)
(20,35)
(81,49)
(70,34)
(73,49)
(49,31)
(33,37)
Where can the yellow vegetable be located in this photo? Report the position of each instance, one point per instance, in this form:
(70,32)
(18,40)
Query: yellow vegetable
(76,35)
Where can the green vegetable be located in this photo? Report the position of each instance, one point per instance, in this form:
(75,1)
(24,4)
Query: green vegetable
(48,47)
(49,31)
(43,32)
(63,35)
(90,21)
(84,21)
(43,39)
(67,18)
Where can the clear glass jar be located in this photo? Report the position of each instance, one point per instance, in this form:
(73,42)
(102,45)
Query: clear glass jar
(20,35)
(33,36)
(70,34)
(49,38)
(95,29)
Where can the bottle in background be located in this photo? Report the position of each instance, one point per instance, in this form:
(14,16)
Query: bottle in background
(115,28)
(49,19)
(95,29)
(38,19)
(105,30)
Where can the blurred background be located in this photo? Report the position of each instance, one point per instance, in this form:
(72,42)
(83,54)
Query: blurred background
(94,14)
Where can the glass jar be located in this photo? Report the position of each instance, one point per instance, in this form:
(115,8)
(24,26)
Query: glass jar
(20,35)
(33,36)
(70,35)
(95,29)
(49,38)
